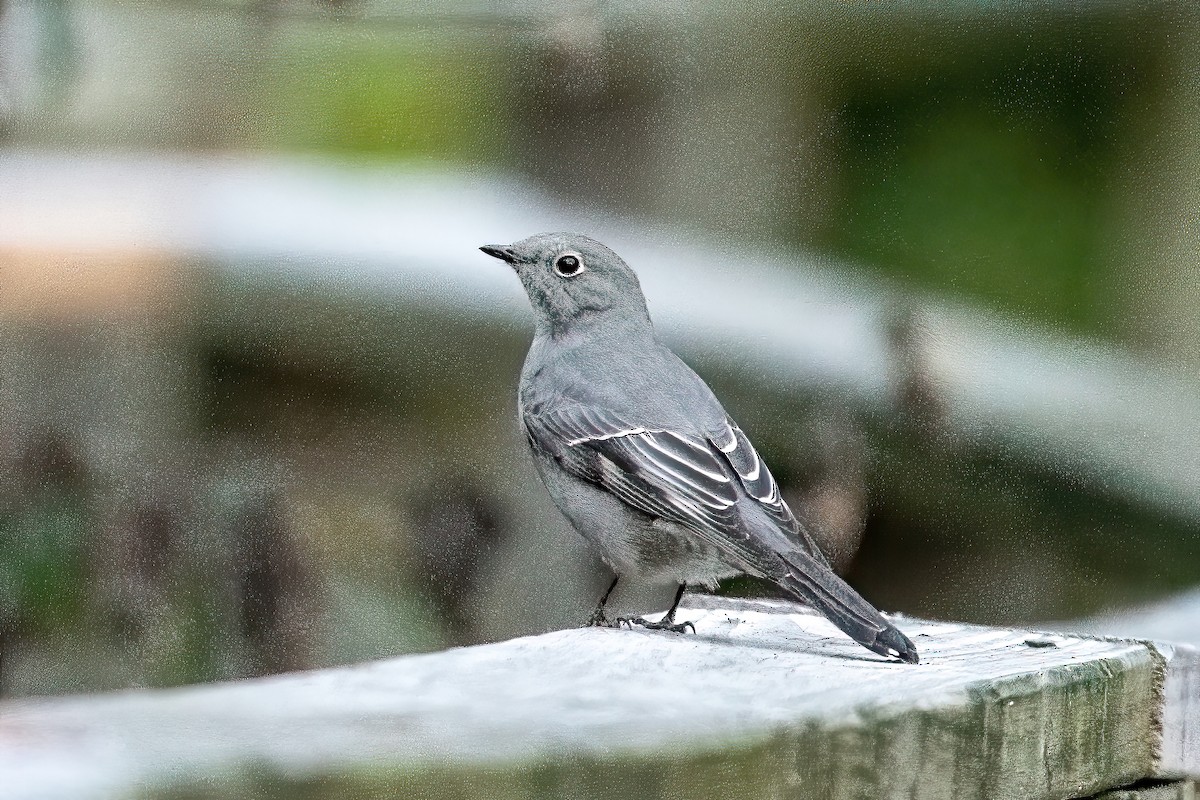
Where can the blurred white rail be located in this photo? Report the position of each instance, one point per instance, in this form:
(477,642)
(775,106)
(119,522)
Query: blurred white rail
(1082,408)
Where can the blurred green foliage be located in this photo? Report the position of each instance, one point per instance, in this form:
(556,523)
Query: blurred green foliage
(352,90)
(43,561)
(990,177)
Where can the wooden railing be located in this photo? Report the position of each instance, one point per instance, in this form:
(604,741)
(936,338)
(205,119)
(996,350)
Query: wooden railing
(765,700)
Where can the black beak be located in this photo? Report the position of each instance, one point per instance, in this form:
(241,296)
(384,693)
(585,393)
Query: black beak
(501,252)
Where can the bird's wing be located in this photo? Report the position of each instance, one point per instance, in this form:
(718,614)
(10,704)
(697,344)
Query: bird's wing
(698,481)
(661,472)
(760,485)
(752,473)
(681,477)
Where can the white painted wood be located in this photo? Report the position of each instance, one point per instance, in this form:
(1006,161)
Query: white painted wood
(1180,755)
(1172,619)
(773,691)
(1172,626)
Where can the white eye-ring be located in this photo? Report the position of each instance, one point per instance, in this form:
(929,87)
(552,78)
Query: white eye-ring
(568,264)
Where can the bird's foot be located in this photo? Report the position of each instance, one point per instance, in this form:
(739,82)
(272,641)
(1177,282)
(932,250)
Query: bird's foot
(667,623)
(599,619)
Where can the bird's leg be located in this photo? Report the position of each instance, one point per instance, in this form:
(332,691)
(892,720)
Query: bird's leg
(599,619)
(667,623)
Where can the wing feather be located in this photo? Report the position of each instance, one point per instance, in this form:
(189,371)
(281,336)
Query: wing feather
(667,473)
(759,484)
(661,472)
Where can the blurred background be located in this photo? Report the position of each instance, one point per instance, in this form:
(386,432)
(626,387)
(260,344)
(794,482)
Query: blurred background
(257,386)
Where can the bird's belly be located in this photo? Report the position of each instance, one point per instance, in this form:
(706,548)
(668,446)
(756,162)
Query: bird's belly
(629,541)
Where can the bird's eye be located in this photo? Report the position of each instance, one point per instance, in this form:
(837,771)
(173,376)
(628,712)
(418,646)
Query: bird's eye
(568,265)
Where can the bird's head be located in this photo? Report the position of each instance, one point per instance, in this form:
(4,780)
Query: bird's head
(574,282)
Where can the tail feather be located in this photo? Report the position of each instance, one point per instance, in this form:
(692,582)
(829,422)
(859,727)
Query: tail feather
(844,607)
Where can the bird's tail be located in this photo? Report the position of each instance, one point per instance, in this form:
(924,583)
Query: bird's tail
(844,607)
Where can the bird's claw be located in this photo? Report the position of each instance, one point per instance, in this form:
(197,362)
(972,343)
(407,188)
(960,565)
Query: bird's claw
(599,619)
(664,624)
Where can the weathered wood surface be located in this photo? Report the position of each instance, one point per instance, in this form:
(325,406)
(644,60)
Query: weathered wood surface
(1174,624)
(765,696)
(1180,752)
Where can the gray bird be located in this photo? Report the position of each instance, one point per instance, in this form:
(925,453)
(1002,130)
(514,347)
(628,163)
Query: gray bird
(639,455)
